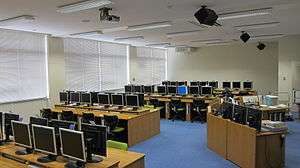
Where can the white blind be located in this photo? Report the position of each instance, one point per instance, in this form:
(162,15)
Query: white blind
(94,66)
(151,64)
(23,66)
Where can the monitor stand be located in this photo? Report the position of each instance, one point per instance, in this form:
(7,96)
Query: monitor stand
(90,158)
(76,164)
(47,159)
(24,152)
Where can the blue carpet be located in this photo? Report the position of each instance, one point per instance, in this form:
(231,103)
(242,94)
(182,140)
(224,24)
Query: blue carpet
(183,145)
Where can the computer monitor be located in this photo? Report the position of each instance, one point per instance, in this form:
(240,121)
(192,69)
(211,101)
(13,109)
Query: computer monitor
(227,110)
(173,83)
(38,121)
(75,97)
(182,90)
(203,83)
(181,83)
(8,117)
(137,88)
(254,117)
(236,85)
(148,89)
(63,97)
(103,99)
(194,83)
(85,98)
(94,97)
(44,141)
(161,89)
(213,84)
(21,134)
(194,90)
(132,100)
(117,99)
(141,99)
(128,88)
(61,124)
(172,90)
(206,90)
(73,146)
(95,139)
(248,85)
(226,85)
(239,114)
(164,82)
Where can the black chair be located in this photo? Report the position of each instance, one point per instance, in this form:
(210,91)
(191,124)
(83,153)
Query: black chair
(111,121)
(87,117)
(177,110)
(199,111)
(68,116)
(154,102)
(47,113)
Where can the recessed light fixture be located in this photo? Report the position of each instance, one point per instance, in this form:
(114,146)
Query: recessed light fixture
(130,38)
(246,13)
(147,26)
(183,33)
(91,33)
(158,45)
(82,5)
(257,26)
(17,19)
(207,41)
(177,46)
(218,43)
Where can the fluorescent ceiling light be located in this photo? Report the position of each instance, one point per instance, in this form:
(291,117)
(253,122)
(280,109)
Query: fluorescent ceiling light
(257,26)
(17,19)
(178,46)
(83,5)
(218,43)
(247,13)
(147,26)
(158,45)
(91,33)
(263,37)
(114,29)
(130,38)
(184,33)
(207,41)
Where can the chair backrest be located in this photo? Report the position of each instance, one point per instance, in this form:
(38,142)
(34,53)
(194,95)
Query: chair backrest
(111,121)
(154,102)
(87,117)
(46,113)
(176,103)
(117,145)
(67,116)
(199,103)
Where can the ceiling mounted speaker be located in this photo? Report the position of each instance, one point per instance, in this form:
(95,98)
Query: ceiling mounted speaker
(261,46)
(206,16)
(245,37)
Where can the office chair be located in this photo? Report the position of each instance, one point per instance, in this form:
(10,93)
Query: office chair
(154,102)
(47,113)
(68,116)
(111,121)
(87,117)
(199,109)
(177,110)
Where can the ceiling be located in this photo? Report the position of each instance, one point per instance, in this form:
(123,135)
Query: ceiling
(136,12)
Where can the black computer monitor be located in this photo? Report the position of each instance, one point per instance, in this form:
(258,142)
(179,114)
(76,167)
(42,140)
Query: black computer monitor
(236,85)
(172,90)
(103,99)
(173,83)
(94,97)
(227,110)
(181,83)
(203,83)
(161,89)
(164,83)
(194,83)
(148,89)
(138,88)
(239,114)
(226,85)
(44,140)
(72,146)
(21,134)
(38,121)
(62,124)
(63,97)
(85,98)
(128,88)
(213,84)
(117,99)
(248,85)
(132,100)
(141,97)
(8,117)
(75,97)
(254,117)
(206,90)
(95,139)
(194,90)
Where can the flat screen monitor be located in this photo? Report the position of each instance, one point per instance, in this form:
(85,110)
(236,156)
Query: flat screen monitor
(44,139)
(128,88)
(182,90)
(254,117)
(141,98)
(203,83)
(181,83)
(239,114)
(206,90)
(161,89)
(94,97)
(137,88)
(61,124)
(85,98)
(247,85)
(226,85)
(132,100)
(8,117)
(21,134)
(236,85)
(194,90)
(38,121)
(117,99)
(173,83)
(194,83)
(72,144)
(103,99)
(213,84)
(75,97)
(172,90)
(63,97)
(164,82)
(95,139)
(148,89)
(227,110)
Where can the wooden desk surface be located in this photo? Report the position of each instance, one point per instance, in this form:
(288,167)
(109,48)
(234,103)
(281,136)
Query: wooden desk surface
(8,163)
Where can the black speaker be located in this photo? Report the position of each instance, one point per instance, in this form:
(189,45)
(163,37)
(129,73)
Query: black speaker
(206,16)
(245,37)
(261,46)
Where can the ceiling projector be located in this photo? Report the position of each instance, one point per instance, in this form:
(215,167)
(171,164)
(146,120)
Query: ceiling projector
(105,16)
(206,16)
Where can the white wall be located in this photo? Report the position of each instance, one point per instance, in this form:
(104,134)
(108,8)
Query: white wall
(228,63)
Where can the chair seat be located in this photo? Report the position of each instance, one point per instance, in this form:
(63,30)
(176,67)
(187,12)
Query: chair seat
(118,129)
(117,145)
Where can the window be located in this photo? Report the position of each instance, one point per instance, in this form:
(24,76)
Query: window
(23,66)
(151,63)
(95,66)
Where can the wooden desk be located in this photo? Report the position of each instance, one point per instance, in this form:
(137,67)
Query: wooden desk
(298,111)
(138,128)
(9,163)
(115,159)
(274,114)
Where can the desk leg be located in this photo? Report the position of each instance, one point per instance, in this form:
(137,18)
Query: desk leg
(187,112)
(167,110)
(79,119)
